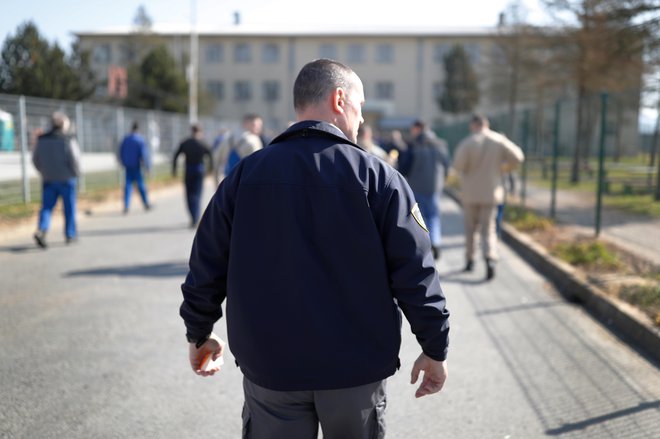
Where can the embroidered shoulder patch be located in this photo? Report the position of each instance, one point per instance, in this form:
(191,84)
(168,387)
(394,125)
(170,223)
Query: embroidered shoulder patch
(418,217)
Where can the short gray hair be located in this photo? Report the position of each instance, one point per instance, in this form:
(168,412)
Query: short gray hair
(317,79)
(60,121)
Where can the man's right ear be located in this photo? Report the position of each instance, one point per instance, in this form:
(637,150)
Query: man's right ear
(338,100)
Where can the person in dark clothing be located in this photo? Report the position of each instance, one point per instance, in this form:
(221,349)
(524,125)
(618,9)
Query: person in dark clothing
(425,163)
(134,155)
(57,158)
(317,246)
(194,150)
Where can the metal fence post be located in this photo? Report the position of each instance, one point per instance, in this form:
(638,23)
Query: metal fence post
(24,150)
(524,145)
(555,159)
(81,141)
(601,161)
(120,134)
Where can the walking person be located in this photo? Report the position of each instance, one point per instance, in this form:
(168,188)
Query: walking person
(134,156)
(236,146)
(317,246)
(425,164)
(479,160)
(194,150)
(57,158)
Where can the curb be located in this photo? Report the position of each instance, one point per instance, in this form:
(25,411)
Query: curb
(625,321)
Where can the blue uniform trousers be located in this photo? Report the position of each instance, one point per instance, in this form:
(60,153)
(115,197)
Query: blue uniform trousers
(429,206)
(134,175)
(51,191)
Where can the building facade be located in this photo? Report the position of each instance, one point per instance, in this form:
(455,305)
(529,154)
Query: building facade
(252,70)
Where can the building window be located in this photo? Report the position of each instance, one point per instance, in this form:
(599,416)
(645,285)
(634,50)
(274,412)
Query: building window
(242,53)
(356,53)
(271,91)
(214,53)
(384,54)
(473,52)
(242,91)
(270,53)
(102,54)
(216,89)
(440,51)
(328,51)
(385,91)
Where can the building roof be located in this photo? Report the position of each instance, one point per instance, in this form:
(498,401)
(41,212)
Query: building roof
(299,30)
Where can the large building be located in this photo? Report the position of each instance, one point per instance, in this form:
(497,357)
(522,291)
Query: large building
(244,69)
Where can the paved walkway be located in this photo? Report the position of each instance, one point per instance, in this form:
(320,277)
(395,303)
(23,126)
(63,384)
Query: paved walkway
(635,233)
(92,346)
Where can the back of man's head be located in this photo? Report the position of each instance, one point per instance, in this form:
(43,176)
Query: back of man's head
(60,121)
(135,126)
(195,129)
(317,79)
(253,123)
(478,122)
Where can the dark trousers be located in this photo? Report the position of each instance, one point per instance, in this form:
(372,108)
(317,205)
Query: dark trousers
(134,175)
(194,181)
(352,413)
(52,190)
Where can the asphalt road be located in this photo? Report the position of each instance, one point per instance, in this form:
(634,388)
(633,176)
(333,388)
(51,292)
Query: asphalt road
(93,347)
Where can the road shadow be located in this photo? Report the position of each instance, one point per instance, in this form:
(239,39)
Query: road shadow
(581,425)
(29,248)
(135,230)
(452,277)
(517,308)
(163,269)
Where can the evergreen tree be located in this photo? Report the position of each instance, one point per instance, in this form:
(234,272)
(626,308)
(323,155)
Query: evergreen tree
(461,91)
(33,67)
(157,83)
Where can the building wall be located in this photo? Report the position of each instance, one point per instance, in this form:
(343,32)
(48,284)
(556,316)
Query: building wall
(408,81)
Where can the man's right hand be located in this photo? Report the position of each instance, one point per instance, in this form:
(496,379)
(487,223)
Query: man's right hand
(214,346)
(435,374)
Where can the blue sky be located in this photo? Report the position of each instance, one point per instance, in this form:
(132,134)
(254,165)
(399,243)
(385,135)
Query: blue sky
(57,19)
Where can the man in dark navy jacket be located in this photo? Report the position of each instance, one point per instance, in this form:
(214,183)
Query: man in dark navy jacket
(317,247)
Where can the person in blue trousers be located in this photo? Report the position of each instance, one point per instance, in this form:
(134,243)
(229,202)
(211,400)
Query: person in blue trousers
(134,155)
(425,164)
(57,158)
(194,149)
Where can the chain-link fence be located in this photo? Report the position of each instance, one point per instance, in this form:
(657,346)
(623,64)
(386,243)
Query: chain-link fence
(583,157)
(99,129)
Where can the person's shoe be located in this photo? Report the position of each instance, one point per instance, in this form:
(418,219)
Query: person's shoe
(148,207)
(490,270)
(125,211)
(436,252)
(40,239)
(71,240)
(468,266)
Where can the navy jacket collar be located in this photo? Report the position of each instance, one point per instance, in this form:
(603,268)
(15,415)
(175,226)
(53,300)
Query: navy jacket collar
(311,128)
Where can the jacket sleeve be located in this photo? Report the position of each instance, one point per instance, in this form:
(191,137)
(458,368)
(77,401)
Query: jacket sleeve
(205,287)
(413,279)
(513,155)
(460,158)
(176,157)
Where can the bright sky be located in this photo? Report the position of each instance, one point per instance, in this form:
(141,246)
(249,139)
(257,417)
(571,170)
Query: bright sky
(57,19)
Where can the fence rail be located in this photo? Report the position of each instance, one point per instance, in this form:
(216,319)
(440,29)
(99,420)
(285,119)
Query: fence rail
(98,127)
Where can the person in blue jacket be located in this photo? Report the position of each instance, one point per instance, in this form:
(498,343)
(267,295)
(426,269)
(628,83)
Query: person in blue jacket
(317,246)
(134,156)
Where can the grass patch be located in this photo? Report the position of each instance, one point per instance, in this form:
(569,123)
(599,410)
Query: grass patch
(646,297)
(525,219)
(589,254)
(99,186)
(638,204)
